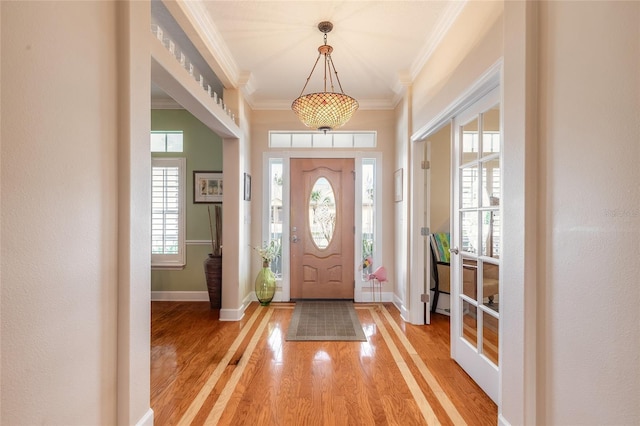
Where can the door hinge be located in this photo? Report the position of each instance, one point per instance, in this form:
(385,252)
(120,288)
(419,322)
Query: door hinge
(354,230)
(353,173)
(425,165)
(424,231)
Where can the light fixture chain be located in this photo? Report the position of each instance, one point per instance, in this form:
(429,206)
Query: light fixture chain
(330,64)
(310,74)
(326,67)
(337,78)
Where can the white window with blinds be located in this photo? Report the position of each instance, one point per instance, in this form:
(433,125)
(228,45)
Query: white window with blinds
(168,177)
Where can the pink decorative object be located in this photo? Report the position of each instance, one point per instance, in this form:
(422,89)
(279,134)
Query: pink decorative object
(379,274)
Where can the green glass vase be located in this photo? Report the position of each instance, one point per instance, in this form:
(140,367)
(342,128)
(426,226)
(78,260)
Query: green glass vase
(265,284)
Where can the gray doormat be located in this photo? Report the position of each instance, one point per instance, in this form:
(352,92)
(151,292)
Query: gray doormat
(325,320)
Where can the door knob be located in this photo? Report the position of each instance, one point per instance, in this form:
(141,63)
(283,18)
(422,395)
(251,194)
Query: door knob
(453,250)
(294,239)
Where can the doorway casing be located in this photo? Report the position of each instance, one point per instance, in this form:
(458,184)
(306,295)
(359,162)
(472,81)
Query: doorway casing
(283,292)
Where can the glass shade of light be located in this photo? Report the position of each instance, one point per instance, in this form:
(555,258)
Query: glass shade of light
(324,110)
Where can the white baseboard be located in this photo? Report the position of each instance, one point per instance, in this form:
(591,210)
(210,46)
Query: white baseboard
(180,296)
(502,421)
(443,311)
(147,419)
(251,297)
(235,314)
(404,313)
(202,296)
(368,297)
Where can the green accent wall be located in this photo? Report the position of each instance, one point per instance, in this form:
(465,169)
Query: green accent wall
(191,278)
(203,151)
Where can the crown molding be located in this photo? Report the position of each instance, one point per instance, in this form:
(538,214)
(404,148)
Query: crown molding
(440,31)
(207,39)
(406,78)
(246,82)
(247,85)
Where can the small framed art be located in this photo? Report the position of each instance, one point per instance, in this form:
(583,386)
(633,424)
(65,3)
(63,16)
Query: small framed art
(207,187)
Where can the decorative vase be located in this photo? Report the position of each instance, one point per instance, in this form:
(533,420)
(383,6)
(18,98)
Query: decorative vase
(265,284)
(213,274)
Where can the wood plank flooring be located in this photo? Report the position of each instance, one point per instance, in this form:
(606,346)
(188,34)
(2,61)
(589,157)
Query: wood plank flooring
(204,371)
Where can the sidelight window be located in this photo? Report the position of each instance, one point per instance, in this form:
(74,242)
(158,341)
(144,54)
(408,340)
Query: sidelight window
(276,214)
(368,216)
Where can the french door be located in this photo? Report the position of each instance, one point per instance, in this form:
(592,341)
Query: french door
(322,228)
(475,241)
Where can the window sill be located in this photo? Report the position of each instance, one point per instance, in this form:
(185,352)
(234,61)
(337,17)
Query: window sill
(167,267)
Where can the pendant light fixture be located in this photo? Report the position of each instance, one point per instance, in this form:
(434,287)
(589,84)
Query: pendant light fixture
(325,110)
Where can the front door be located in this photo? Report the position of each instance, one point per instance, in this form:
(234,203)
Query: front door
(322,228)
(475,242)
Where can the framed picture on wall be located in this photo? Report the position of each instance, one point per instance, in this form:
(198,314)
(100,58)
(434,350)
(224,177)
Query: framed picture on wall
(207,187)
(247,187)
(397,185)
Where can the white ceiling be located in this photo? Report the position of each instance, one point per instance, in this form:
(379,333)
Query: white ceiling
(271,46)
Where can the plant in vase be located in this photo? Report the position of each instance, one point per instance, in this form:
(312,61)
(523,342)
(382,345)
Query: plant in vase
(265,285)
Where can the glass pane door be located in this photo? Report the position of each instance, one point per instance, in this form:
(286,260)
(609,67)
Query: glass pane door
(475,242)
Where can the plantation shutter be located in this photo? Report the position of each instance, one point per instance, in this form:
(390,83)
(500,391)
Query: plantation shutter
(167,212)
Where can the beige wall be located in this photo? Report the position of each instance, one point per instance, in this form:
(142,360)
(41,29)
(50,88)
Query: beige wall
(59,213)
(75,248)
(589,213)
(236,274)
(440,184)
(401,240)
(134,226)
(439,204)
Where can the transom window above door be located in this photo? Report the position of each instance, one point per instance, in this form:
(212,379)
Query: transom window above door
(321,140)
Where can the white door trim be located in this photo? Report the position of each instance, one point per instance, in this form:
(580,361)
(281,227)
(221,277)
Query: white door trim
(283,293)
(483,85)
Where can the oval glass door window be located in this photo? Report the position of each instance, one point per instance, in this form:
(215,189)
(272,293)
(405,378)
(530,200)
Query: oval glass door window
(322,213)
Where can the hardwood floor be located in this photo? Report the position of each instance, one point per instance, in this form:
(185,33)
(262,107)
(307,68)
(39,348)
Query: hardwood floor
(204,371)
